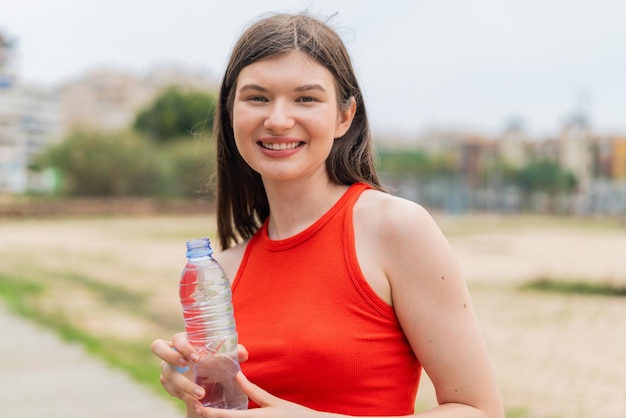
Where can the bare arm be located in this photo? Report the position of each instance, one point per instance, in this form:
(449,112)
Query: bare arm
(433,305)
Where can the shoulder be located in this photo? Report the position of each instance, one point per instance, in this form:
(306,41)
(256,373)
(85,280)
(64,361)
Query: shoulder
(406,240)
(391,216)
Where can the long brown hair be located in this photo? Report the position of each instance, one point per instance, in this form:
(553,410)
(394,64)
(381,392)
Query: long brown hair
(242,204)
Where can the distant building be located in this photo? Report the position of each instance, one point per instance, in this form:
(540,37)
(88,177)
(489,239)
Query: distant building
(513,143)
(610,154)
(618,168)
(109,99)
(29,121)
(7,60)
(575,148)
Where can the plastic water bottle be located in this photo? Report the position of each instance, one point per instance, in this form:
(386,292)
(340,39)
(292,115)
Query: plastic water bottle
(206,299)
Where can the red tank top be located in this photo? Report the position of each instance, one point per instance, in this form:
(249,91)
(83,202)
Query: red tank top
(316,332)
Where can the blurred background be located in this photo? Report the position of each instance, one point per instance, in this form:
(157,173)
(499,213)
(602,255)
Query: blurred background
(506,119)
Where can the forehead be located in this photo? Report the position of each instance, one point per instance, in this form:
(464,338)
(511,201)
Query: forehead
(291,67)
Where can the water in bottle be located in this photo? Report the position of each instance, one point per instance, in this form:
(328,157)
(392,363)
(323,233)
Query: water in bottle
(206,299)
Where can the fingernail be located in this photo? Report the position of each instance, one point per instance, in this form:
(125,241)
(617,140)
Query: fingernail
(182,361)
(194,357)
(199,392)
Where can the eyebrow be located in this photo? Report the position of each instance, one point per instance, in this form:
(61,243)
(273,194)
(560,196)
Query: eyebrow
(253,87)
(307,87)
(299,89)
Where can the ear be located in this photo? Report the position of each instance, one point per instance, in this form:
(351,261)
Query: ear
(344,118)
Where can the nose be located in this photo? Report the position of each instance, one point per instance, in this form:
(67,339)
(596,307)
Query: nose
(279,118)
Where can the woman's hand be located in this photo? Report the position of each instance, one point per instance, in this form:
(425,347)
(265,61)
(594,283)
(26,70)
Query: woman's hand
(177,358)
(270,406)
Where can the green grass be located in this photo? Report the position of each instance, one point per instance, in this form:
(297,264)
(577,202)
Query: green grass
(522,413)
(119,298)
(18,292)
(481,223)
(114,295)
(577,287)
(517,413)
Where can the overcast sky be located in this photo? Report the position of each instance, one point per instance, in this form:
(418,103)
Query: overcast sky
(471,64)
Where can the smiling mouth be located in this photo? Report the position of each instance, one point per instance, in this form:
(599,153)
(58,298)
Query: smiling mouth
(281,146)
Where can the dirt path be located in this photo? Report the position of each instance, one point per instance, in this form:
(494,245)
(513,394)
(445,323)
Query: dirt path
(42,376)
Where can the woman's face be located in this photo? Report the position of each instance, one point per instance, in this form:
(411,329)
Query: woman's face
(286,116)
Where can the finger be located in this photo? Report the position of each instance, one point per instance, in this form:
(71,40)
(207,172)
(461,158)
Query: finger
(180,385)
(242,353)
(166,352)
(255,393)
(182,345)
(208,412)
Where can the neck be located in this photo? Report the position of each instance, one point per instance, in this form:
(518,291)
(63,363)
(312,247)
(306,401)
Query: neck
(296,206)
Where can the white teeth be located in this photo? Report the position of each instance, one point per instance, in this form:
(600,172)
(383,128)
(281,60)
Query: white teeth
(281,146)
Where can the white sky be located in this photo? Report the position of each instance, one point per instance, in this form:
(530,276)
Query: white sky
(422,64)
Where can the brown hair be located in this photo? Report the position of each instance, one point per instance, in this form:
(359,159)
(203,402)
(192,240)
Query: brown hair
(242,204)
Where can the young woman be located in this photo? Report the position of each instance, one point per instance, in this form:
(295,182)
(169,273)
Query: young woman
(342,292)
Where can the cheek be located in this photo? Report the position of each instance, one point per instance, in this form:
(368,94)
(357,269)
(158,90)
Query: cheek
(243,119)
(241,143)
(243,134)
(241,125)
(244,148)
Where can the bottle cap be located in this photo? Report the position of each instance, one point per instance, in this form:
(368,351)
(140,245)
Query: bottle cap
(199,247)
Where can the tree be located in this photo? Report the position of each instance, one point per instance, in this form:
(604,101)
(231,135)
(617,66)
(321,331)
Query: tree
(413,162)
(546,176)
(191,165)
(176,113)
(105,164)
